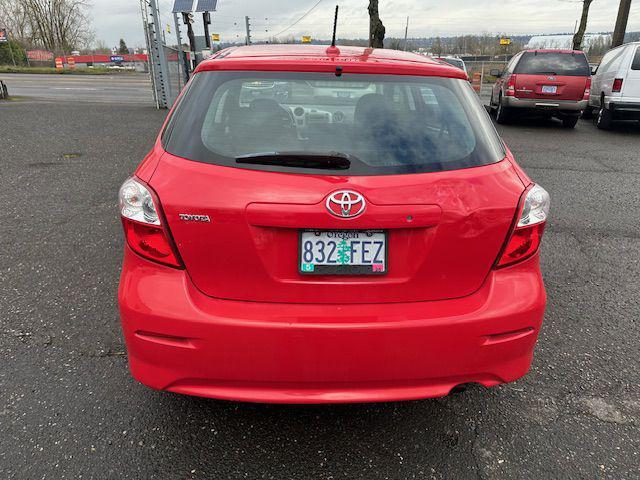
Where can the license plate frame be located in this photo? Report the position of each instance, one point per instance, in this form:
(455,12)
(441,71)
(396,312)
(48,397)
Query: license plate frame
(550,89)
(343,269)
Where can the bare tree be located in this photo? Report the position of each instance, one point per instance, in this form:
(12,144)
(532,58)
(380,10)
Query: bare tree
(13,17)
(579,35)
(376,28)
(57,25)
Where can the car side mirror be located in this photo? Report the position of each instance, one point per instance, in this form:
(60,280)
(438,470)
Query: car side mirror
(594,70)
(495,73)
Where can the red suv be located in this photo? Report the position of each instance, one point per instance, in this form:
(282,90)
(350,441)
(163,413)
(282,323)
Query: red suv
(364,235)
(549,82)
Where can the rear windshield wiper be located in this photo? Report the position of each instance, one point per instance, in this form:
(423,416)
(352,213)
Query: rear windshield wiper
(320,160)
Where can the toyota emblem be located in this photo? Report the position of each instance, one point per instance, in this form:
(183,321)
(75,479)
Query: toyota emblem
(345,204)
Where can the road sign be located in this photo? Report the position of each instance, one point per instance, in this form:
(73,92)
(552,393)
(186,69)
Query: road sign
(3,36)
(215,37)
(39,55)
(505,41)
(306,39)
(116,58)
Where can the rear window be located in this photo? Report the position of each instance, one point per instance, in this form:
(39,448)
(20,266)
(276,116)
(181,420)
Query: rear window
(553,63)
(385,124)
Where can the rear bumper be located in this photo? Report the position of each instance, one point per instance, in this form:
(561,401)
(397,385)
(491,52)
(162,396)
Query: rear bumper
(182,341)
(625,110)
(546,104)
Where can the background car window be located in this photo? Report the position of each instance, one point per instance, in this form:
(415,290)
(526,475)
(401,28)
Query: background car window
(635,64)
(387,124)
(553,63)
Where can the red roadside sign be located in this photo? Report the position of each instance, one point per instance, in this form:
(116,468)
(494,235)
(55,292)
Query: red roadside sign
(39,55)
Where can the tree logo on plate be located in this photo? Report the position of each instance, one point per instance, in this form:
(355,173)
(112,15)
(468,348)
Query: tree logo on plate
(345,204)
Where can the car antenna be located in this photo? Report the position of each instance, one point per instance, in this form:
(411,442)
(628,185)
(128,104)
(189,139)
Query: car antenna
(333,50)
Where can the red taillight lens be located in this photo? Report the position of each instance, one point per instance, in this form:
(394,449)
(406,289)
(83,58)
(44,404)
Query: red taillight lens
(510,91)
(149,241)
(617,85)
(587,90)
(143,225)
(524,239)
(523,243)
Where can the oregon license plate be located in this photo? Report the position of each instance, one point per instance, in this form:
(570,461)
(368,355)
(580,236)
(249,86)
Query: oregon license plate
(343,252)
(549,89)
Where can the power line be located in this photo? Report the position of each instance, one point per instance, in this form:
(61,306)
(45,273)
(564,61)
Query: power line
(300,19)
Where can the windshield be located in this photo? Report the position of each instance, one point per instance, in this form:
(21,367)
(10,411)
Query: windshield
(553,63)
(383,124)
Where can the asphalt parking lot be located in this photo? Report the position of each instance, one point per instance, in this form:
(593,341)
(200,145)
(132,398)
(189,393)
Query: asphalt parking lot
(69,409)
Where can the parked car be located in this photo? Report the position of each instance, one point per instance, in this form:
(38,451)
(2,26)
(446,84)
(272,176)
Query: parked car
(553,83)
(456,62)
(388,254)
(615,91)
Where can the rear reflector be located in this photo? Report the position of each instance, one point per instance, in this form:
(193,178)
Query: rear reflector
(617,85)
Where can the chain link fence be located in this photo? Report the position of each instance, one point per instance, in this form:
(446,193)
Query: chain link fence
(483,69)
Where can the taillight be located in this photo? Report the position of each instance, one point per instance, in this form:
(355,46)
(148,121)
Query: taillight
(525,238)
(142,222)
(617,85)
(510,91)
(587,90)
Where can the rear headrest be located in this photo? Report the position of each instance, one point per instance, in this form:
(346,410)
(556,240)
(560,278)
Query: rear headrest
(371,107)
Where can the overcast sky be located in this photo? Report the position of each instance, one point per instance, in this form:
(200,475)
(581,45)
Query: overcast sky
(113,19)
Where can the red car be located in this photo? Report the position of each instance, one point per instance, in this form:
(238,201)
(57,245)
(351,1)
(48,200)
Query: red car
(554,83)
(365,237)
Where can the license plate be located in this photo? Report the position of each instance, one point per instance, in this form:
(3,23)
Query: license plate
(343,252)
(549,89)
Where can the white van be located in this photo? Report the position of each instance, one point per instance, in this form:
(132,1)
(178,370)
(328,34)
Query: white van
(615,86)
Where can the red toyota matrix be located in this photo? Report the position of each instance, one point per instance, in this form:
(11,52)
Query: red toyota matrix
(332,224)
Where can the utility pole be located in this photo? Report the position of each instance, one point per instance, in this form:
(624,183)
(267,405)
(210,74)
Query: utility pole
(248,37)
(182,64)
(145,25)
(621,23)
(406,31)
(161,77)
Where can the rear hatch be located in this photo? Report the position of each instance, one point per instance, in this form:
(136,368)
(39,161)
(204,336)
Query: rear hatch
(444,210)
(444,230)
(631,83)
(552,76)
